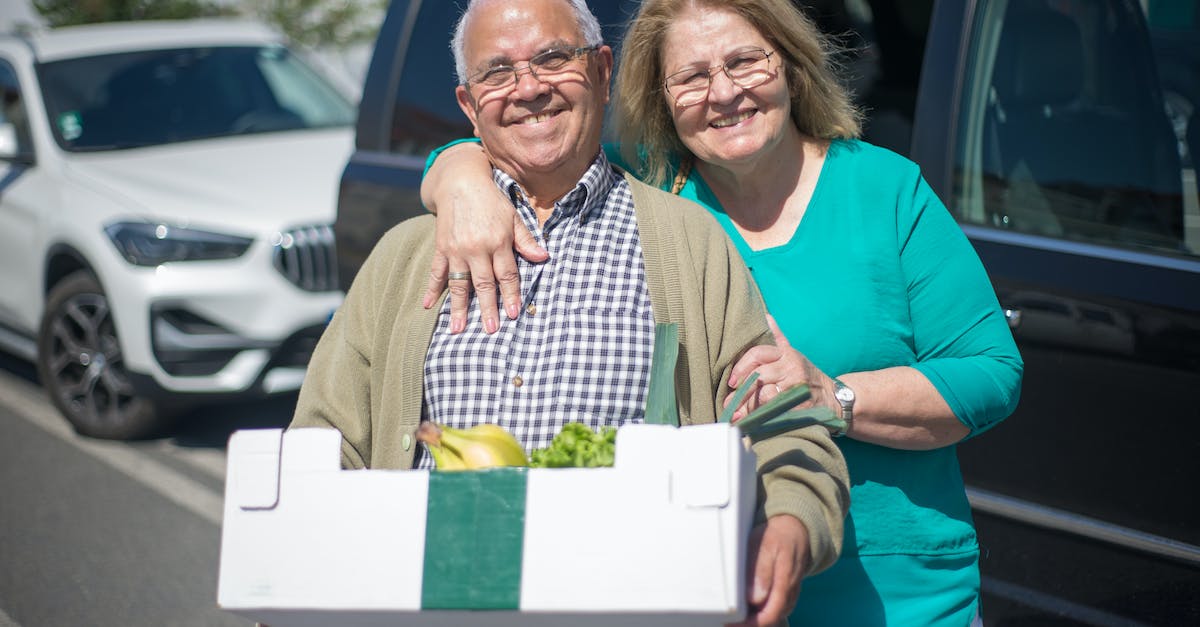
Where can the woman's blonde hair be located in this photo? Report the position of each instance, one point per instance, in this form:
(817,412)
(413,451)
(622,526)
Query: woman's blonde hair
(821,105)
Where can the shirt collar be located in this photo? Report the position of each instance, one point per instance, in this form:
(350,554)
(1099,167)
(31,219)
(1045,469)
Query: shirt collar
(588,195)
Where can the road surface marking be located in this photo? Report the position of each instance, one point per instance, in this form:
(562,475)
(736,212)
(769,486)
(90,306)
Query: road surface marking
(1028,597)
(6,620)
(27,401)
(207,460)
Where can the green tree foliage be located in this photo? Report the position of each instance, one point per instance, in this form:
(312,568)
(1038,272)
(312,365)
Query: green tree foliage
(323,23)
(72,12)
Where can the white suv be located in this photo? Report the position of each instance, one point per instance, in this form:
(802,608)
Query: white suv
(167,191)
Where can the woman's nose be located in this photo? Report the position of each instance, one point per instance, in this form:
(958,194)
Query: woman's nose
(722,89)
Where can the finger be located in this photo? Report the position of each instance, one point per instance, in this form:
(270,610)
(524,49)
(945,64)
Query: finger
(785,588)
(437,280)
(460,295)
(761,573)
(751,361)
(526,244)
(780,339)
(484,283)
(509,278)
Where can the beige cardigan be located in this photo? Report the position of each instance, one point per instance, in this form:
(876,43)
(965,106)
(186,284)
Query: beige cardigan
(366,375)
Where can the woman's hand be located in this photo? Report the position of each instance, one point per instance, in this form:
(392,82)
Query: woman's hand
(779,367)
(477,232)
(896,407)
(778,560)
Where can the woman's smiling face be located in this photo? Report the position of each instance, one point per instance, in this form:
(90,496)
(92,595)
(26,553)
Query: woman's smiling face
(732,126)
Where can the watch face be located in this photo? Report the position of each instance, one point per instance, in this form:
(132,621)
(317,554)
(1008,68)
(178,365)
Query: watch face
(845,395)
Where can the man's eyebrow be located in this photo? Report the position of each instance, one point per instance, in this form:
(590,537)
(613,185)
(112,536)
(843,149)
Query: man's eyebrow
(503,59)
(497,61)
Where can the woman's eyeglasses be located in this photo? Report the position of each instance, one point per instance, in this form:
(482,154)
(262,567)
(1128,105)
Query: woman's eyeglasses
(542,66)
(748,68)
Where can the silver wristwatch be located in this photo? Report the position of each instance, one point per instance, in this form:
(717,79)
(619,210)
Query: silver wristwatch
(845,397)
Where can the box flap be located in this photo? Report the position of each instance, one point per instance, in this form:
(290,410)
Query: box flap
(253,468)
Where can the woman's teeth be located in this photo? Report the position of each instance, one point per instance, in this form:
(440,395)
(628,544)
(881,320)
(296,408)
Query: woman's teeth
(730,121)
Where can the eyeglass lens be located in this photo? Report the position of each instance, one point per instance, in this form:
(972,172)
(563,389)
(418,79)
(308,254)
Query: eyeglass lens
(749,68)
(545,64)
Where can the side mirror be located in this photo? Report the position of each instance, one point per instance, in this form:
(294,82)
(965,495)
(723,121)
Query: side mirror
(9,147)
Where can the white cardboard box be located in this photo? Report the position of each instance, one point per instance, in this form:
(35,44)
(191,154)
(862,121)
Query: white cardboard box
(659,539)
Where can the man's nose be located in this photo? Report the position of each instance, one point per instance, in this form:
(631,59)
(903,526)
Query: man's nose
(529,86)
(722,89)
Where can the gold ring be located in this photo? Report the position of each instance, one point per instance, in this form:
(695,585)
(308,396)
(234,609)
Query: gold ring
(458,276)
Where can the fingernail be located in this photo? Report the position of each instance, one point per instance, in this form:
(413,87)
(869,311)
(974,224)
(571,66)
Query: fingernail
(490,325)
(457,325)
(513,311)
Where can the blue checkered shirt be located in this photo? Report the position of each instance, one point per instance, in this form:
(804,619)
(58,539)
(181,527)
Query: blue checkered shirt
(580,350)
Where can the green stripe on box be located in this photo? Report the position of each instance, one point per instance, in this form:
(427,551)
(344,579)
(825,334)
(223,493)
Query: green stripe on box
(474,540)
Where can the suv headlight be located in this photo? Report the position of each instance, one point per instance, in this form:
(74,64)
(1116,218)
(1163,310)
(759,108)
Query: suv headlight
(145,244)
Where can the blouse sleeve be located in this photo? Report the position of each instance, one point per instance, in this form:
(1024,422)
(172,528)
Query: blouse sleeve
(963,343)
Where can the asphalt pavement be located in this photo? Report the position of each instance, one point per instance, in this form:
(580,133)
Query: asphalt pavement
(112,533)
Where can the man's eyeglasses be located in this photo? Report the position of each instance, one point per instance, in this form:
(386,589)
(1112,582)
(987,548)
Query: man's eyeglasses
(541,66)
(749,68)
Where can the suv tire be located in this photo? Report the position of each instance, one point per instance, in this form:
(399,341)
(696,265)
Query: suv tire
(80,364)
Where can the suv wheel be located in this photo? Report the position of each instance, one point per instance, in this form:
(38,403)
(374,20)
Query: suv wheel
(81,367)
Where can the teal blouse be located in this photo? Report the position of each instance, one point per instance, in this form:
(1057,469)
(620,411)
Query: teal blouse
(878,274)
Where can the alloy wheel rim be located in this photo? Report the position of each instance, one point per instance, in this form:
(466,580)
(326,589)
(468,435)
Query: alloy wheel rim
(85,364)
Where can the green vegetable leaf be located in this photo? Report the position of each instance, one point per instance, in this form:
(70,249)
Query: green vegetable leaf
(738,395)
(786,400)
(796,419)
(660,397)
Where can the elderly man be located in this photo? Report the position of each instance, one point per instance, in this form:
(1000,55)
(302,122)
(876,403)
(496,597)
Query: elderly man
(534,82)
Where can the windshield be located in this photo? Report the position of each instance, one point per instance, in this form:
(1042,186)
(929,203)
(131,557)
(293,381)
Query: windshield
(162,96)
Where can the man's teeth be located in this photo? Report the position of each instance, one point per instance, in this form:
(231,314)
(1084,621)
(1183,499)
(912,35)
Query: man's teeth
(741,117)
(540,117)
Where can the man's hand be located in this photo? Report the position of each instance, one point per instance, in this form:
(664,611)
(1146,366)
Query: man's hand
(477,232)
(779,559)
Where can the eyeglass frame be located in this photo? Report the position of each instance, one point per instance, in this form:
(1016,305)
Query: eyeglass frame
(724,67)
(516,69)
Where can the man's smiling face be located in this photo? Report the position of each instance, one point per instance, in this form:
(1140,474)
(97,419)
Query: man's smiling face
(538,130)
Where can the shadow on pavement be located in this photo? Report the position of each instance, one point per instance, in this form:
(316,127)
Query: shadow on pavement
(19,367)
(210,426)
(202,426)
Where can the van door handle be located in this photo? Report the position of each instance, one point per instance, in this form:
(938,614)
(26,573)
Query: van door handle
(1013,316)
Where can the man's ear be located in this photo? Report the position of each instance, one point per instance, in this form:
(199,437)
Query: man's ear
(467,103)
(604,68)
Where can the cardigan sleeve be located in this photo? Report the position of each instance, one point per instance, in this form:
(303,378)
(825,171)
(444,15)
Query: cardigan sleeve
(337,390)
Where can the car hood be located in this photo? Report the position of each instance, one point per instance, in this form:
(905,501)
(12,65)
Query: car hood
(237,184)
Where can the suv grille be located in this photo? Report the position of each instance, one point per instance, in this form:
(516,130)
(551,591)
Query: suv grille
(306,257)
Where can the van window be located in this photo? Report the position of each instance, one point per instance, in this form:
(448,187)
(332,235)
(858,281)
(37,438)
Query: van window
(1076,121)
(426,114)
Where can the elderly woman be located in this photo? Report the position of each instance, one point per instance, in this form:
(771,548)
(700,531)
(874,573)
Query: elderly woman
(733,103)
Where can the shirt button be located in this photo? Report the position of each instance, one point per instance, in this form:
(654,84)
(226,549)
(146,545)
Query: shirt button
(531,309)
(406,441)
(518,381)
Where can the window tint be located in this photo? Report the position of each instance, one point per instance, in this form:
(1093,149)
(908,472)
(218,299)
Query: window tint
(1067,130)
(161,96)
(426,114)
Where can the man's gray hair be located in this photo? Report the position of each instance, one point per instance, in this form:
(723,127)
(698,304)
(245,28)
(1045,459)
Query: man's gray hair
(589,27)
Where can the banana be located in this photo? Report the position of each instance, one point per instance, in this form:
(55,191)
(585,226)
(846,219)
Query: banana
(481,446)
(445,459)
